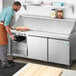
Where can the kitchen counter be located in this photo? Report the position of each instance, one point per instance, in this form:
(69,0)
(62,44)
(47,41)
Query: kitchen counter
(38,71)
(44,34)
(47,39)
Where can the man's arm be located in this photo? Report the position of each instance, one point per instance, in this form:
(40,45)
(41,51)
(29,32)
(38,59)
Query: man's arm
(9,32)
(10,27)
(6,24)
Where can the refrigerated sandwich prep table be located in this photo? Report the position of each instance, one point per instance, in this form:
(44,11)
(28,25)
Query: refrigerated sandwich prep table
(50,40)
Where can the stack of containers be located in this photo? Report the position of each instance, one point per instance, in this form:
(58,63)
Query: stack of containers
(57,13)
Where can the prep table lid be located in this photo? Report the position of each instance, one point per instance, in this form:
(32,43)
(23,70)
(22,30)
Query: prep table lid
(46,24)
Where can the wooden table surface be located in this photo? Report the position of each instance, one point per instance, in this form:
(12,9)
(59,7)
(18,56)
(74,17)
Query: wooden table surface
(39,70)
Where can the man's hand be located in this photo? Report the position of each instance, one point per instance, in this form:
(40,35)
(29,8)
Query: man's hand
(12,37)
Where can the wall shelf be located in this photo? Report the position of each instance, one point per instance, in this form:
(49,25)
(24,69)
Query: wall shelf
(49,5)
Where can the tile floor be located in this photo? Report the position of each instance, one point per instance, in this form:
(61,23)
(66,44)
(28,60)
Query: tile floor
(25,60)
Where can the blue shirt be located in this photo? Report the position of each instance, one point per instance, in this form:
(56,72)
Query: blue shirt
(6,15)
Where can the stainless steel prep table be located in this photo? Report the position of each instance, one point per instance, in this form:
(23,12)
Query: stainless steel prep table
(55,35)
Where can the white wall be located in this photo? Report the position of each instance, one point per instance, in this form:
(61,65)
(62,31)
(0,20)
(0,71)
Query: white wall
(68,13)
(0,5)
(66,1)
(21,11)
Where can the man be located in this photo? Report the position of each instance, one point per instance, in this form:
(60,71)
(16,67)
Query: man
(5,19)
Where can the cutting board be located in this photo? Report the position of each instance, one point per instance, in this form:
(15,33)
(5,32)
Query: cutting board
(39,70)
(20,28)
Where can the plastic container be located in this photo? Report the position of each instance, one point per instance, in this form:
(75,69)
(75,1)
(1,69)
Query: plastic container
(57,4)
(53,13)
(60,14)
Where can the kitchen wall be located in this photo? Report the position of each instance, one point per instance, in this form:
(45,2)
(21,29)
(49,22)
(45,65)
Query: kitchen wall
(69,13)
(69,2)
(21,11)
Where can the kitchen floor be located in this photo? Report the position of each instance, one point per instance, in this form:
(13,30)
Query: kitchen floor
(25,60)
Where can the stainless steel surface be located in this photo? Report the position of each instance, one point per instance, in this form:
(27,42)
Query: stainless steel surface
(37,48)
(47,25)
(19,48)
(68,73)
(49,39)
(7,3)
(58,51)
(73,46)
(44,34)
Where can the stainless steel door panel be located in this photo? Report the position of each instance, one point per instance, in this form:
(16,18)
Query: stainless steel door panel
(14,45)
(59,51)
(37,48)
(22,47)
(19,49)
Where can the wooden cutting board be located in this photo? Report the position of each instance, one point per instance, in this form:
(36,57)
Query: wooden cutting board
(39,70)
(26,28)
